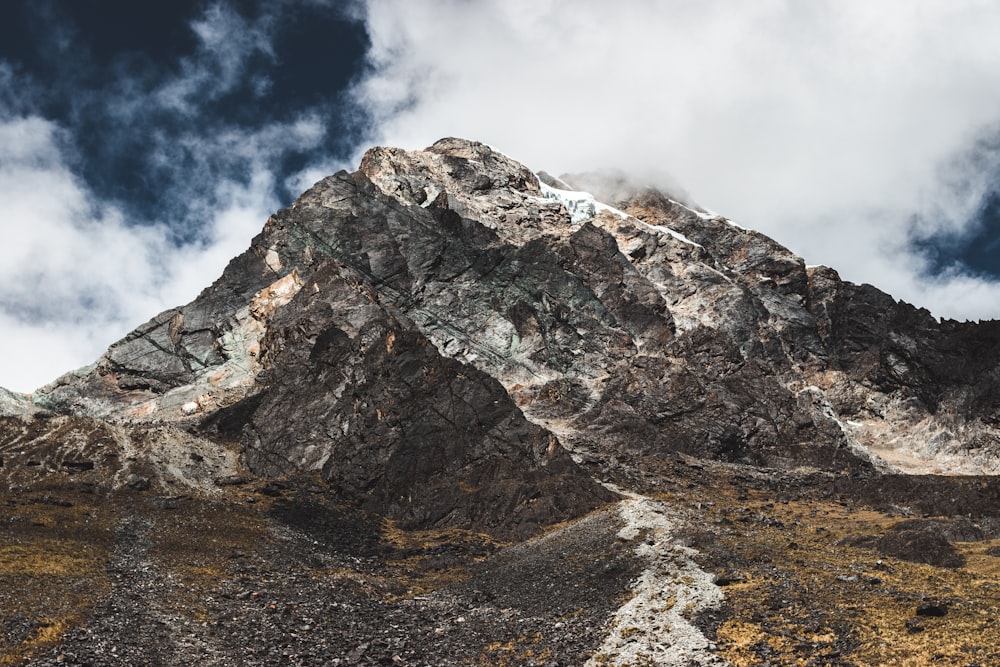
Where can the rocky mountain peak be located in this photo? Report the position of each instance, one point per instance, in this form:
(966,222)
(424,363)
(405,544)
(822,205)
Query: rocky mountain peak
(442,354)
(708,338)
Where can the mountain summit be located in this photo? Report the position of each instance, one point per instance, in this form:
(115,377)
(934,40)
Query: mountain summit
(443,353)
(637,324)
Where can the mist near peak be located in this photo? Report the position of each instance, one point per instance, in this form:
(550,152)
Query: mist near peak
(842,129)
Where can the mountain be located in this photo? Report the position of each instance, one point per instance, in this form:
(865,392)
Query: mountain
(446,410)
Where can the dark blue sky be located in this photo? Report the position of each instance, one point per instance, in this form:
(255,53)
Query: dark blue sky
(976,251)
(100,69)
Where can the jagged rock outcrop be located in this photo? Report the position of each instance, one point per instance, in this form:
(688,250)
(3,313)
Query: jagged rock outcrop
(393,425)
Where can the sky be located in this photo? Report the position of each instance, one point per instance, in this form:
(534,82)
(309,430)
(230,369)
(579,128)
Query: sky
(142,145)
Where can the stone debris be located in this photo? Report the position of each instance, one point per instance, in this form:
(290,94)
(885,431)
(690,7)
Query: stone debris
(656,625)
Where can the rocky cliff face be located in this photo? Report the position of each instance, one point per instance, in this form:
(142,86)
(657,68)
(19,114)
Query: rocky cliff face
(444,340)
(636,324)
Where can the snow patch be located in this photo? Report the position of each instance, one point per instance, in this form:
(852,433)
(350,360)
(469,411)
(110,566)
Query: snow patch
(704,215)
(581,206)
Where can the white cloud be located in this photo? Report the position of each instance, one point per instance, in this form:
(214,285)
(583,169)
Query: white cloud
(73,274)
(828,125)
(77,273)
(76,277)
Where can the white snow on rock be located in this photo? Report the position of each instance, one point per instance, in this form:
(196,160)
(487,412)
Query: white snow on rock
(581,206)
(706,214)
(654,627)
(677,235)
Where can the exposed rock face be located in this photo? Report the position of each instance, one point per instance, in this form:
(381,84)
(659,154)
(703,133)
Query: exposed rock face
(391,423)
(643,325)
(39,451)
(907,381)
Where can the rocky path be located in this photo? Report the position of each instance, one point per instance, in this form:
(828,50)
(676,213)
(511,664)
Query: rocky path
(138,606)
(655,626)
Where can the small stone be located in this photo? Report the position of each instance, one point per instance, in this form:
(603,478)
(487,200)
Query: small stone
(166,502)
(914,625)
(728,579)
(136,482)
(932,609)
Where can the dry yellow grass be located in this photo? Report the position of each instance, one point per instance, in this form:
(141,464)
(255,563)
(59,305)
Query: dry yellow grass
(52,569)
(47,558)
(792,609)
(523,650)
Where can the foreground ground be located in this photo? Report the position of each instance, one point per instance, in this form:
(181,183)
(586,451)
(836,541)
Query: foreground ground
(814,569)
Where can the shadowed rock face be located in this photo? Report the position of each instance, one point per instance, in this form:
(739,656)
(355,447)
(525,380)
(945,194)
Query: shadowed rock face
(395,426)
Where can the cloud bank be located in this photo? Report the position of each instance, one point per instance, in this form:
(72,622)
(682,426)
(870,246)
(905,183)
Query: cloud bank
(845,129)
(87,260)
